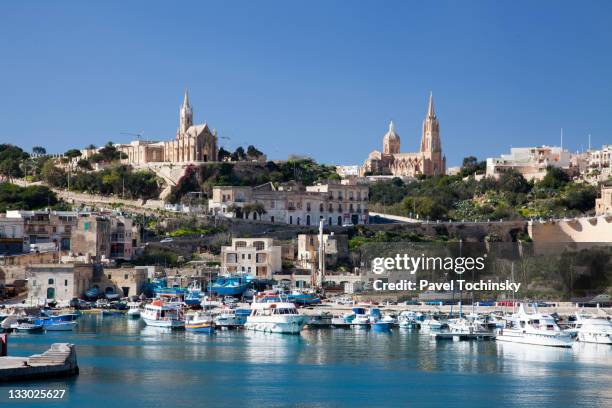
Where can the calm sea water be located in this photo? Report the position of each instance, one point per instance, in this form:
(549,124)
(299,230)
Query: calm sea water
(124,363)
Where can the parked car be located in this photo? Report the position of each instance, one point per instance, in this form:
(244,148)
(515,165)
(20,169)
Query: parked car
(166,240)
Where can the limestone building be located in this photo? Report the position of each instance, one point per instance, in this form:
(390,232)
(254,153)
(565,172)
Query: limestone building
(193,143)
(428,160)
(256,256)
(531,162)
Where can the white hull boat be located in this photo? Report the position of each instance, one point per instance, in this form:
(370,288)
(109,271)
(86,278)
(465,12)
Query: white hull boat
(535,329)
(593,329)
(282,317)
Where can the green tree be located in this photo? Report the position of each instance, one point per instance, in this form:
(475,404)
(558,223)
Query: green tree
(39,150)
(72,153)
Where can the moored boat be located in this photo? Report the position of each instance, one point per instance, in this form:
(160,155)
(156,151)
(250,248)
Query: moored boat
(281,317)
(231,318)
(161,314)
(534,329)
(593,329)
(133,309)
(199,322)
(28,327)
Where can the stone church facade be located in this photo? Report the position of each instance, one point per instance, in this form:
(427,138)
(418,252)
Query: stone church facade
(193,143)
(427,161)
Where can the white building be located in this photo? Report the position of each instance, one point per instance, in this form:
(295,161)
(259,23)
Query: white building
(344,203)
(347,171)
(57,282)
(531,162)
(254,256)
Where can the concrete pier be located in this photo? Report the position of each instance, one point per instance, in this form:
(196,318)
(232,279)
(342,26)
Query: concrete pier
(59,361)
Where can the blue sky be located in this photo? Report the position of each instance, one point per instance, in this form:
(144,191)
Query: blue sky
(321,78)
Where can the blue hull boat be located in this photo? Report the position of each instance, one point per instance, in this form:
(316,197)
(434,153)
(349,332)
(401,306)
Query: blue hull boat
(304,299)
(230,286)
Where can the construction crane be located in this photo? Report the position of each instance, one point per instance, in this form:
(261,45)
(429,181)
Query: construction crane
(138,135)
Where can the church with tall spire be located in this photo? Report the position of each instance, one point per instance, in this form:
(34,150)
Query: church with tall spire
(428,161)
(192,144)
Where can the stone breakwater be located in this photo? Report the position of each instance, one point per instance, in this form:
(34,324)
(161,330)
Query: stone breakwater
(59,361)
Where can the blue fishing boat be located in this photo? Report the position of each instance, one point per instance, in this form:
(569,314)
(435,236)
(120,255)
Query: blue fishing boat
(61,322)
(230,285)
(194,292)
(303,298)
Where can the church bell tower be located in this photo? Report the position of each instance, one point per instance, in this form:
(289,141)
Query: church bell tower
(185,116)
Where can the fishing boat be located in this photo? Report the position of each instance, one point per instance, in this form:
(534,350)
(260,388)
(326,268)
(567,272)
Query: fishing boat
(133,309)
(161,314)
(593,329)
(231,318)
(27,326)
(303,298)
(194,292)
(233,285)
(343,321)
(281,317)
(59,322)
(199,322)
(535,329)
(364,319)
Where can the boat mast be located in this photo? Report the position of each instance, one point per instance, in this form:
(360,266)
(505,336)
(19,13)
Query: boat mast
(321,271)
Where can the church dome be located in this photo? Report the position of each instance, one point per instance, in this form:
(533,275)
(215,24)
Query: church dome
(391,141)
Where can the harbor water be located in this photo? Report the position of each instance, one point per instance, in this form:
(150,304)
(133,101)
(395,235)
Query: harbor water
(124,363)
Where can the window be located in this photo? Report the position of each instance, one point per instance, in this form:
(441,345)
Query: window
(65,282)
(125,276)
(259,245)
(51,281)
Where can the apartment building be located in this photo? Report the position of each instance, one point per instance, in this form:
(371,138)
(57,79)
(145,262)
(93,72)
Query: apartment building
(45,226)
(531,162)
(254,256)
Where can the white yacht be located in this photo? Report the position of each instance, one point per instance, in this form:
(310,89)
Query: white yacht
(593,329)
(279,317)
(408,319)
(160,314)
(534,328)
(432,322)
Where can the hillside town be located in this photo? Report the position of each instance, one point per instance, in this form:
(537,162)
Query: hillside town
(120,243)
